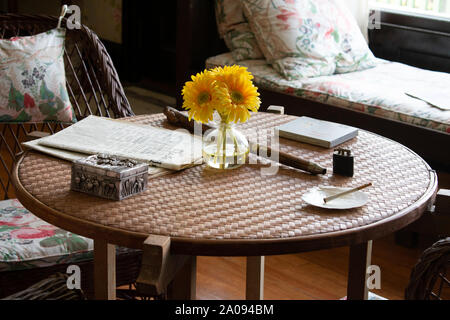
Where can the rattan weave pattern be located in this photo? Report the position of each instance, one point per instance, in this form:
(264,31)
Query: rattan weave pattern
(242,204)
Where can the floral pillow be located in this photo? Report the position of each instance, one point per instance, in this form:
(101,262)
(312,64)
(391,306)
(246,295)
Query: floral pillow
(305,38)
(234,29)
(228,13)
(32,79)
(242,43)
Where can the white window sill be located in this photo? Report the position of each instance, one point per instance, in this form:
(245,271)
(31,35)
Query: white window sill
(410,12)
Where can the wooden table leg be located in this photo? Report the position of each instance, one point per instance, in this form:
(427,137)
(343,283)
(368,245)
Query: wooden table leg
(165,273)
(183,286)
(255,278)
(359,261)
(104,270)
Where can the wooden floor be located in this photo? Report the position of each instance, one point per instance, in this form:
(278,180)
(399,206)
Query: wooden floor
(320,275)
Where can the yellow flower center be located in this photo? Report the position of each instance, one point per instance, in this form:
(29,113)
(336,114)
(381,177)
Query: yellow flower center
(203,97)
(237,97)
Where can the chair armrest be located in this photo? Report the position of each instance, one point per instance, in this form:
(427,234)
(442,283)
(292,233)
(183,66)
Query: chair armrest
(51,288)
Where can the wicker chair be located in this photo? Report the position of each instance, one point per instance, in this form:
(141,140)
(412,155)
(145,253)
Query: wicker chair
(94,89)
(51,288)
(430,277)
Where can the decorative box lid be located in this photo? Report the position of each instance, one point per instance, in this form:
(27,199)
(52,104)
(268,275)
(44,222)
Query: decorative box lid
(111,166)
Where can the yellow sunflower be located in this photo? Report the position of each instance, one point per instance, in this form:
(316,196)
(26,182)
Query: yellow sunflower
(234,69)
(243,95)
(202,96)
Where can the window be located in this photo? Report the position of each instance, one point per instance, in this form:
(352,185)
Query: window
(437,8)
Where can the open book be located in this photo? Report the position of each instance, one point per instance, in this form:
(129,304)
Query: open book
(159,147)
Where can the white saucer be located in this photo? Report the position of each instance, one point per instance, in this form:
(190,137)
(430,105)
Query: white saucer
(315,197)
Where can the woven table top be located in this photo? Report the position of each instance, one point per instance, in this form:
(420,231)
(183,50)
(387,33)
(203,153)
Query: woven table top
(205,204)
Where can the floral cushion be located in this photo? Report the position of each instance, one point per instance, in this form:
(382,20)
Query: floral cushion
(242,43)
(32,79)
(305,38)
(29,242)
(235,30)
(379,91)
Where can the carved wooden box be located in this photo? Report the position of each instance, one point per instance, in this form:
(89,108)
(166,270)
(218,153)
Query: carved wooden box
(109,177)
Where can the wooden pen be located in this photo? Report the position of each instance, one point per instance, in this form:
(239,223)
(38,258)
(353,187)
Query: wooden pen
(341,194)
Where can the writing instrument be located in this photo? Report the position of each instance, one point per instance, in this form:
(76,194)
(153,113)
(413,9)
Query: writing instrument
(328,199)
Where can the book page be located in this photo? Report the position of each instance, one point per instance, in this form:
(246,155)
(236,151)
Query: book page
(436,99)
(170,149)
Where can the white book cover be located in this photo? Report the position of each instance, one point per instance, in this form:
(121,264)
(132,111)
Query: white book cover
(317,132)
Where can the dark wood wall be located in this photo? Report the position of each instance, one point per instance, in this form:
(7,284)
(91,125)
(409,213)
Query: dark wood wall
(197,39)
(149,43)
(165,41)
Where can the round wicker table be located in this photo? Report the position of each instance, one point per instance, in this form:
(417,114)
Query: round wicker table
(240,212)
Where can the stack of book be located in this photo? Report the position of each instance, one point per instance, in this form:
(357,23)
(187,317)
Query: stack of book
(317,132)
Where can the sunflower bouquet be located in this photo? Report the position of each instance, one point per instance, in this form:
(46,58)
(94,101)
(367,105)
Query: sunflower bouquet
(230,92)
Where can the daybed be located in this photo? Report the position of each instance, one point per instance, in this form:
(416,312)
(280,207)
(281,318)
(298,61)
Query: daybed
(373,99)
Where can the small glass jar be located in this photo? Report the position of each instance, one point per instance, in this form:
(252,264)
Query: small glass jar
(225,147)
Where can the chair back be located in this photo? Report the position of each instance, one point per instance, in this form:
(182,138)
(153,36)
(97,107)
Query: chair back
(430,277)
(92,83)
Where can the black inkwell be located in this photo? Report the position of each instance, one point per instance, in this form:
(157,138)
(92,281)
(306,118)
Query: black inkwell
(343,162)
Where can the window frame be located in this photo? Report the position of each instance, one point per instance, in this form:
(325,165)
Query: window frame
(416,40)
(393,9)
(417,22)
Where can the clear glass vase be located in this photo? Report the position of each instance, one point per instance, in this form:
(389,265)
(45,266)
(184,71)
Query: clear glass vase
(225,147)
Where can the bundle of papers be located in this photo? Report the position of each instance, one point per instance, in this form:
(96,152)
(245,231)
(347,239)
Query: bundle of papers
(161,148)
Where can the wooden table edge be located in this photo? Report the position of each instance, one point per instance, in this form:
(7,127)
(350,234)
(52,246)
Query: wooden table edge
(229,247)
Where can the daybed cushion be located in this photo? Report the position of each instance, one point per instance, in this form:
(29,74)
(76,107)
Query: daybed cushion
(379,91)
(29,242)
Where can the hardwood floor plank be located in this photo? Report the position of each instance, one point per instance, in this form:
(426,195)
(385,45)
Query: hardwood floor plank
(318,275)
